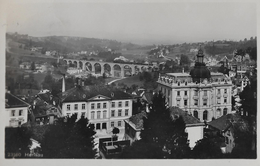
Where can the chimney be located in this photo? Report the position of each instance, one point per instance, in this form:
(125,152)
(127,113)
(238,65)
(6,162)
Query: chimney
(82,83)
(183,70)
(63,83)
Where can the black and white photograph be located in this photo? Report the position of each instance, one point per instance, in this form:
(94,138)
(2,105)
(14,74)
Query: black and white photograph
(129,80)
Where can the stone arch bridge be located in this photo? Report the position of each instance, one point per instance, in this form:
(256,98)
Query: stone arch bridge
(110,68)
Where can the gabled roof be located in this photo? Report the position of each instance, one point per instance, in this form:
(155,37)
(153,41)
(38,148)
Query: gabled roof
(148,96)
(225,121)
(137,120)
(11,101)
(84,93)
(188,119)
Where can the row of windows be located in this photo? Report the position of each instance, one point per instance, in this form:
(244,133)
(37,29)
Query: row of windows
(99,126)
(205,113)
(20,113)
(113,114)
(196,92)
(205,101)
(98,105)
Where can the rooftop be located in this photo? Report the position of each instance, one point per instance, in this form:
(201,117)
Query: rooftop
(188,119)
(179,74)
(137,120)
(11,101)
(84,93)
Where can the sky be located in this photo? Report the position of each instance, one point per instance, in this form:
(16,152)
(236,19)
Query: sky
(142,23)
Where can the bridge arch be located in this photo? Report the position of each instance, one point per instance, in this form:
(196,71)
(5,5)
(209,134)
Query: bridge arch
(127,71)
(107,69)
(75,63)
(117,70)
(88,66)
(97,68)
(81,64)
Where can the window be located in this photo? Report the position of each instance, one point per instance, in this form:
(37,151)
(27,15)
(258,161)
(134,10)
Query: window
(185,93)
(104,114)
(76,107)
(225,90)
(195,114)
(225,111)
(119,112)
(195,93)
(13,112)
(126,103)
(68,107)
(218,112)
(112,113)
(126,112)
(68,114)
(93,106)
(205,115)
(218,100)
(92,115)
(83,114)
(98,126)
(218,91)
(225,100)
(83,106)
(104,105)
(20,112)
(113,104)
(178,103)
(179,83)
(185,102)
(204,101)
(120,104)
(112,124)
(98,114)
(178,93)
(104,125)
(119,124)
(205,93)
(195,102)
(98,105)
(226,138)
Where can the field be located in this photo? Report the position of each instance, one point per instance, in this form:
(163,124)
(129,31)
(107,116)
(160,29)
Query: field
(135,54)
(129,81)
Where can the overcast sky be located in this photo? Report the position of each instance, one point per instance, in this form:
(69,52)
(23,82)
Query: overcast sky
(146,23)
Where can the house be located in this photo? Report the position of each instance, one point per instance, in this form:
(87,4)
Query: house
(16,110)
(105,107)
(25,65)
(194,127)
(225,126)
(133,126)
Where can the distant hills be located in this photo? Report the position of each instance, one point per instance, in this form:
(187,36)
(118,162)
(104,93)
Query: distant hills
(67,44)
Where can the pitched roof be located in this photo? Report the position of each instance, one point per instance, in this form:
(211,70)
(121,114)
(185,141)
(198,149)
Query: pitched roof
(137,120)
(188,119)
(84,93)
(11,101)
(225,121)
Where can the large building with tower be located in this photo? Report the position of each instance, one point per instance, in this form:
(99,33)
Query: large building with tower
(201,93)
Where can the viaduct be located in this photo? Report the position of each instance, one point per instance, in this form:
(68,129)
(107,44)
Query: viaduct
(112,69)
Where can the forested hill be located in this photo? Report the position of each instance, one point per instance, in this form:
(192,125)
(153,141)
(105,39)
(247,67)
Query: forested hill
(66,44)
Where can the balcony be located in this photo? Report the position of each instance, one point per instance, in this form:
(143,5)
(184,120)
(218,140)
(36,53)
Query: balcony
(195,97)
(205,97)
(178,98)
(219,95)
(185,97)
(225,95)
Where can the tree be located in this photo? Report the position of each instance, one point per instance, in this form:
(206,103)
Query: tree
(207,148)
(17,142)
(166,133)
(184,60)
(32,66)
(69,138)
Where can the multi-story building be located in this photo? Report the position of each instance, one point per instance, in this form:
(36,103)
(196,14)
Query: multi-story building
(16,110)
(105,107)
(201,93)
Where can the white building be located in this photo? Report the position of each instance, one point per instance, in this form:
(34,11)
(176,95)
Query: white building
(16,111)
(203,94)
(105,107)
